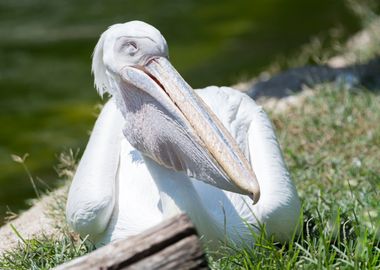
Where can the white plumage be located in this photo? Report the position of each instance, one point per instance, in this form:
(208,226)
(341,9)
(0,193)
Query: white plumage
(118,191)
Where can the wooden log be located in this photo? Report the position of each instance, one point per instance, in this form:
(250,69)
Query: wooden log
(173,244)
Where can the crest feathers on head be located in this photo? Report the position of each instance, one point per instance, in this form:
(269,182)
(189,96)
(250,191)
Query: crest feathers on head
(98,68)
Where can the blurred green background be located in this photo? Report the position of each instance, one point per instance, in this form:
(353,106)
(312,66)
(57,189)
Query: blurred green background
(47,97)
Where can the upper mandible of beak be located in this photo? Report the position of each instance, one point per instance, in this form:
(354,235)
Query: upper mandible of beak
(215,137)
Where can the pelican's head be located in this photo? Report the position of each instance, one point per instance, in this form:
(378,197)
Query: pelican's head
(166,120)
(128,44)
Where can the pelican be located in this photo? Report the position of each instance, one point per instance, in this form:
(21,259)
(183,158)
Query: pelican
(159,148)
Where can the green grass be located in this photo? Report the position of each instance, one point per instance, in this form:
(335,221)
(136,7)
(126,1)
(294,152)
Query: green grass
(44,253)
(331,144)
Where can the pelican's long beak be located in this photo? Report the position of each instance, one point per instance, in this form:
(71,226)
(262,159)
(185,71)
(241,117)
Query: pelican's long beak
(159,75)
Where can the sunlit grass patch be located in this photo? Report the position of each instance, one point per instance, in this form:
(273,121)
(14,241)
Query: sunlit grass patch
(331,145)
(44,252)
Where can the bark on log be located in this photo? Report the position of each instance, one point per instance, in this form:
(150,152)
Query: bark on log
(173,244)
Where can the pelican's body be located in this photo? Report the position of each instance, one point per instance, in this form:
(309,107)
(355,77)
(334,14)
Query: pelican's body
(125,183)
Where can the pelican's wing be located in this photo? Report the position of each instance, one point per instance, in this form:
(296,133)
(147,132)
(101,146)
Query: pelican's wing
(278,207)
(91,198)
(231,210)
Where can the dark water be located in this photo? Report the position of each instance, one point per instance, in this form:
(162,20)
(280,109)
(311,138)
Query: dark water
(47,98)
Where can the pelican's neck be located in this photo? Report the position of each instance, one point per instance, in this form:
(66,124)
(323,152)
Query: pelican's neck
(178,195)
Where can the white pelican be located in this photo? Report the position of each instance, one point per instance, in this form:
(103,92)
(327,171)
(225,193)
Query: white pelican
(156,138)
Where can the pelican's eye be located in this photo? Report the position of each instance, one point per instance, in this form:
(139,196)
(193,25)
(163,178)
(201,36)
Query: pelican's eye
(130,48)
